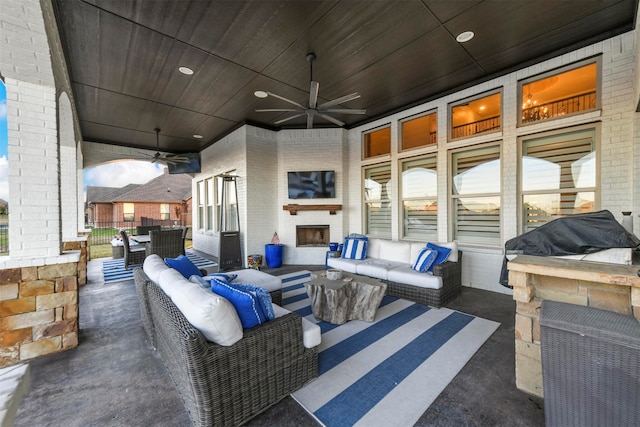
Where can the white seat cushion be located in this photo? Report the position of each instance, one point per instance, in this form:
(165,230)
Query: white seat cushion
(214,316)
(348,265)
(408,276)
(395,251)
(311,335)
(154,265)
(258,278)
(377,268)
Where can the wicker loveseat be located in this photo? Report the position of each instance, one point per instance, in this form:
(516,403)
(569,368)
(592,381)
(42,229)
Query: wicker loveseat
(391,261)
(226,385)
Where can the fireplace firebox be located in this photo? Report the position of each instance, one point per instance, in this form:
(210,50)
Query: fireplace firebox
(312,235)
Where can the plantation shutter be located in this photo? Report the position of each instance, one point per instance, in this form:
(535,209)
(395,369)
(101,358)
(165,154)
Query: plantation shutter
(419,193)
(377,201)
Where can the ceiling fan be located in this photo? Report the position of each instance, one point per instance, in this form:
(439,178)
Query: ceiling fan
(312,109)
(165,157)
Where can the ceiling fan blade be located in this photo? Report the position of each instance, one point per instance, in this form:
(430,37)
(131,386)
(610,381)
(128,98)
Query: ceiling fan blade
(276,110)
(286,100)
(288,118)
(346,98)
(344,111)
(310,120)
(313,94)
(331,119)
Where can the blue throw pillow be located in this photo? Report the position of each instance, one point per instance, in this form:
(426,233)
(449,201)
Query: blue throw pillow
(355,248)
(263,297)
(183,265)
(200,281)
(425,260)
(443,254)
(246,304)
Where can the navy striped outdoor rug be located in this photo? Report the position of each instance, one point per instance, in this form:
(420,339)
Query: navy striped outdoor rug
(387,372)
(114,271)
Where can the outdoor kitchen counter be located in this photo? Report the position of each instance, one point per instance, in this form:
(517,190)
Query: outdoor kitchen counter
(614,287)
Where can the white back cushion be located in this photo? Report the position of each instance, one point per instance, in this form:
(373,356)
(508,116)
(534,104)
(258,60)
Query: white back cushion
(214,316)
(395,251)
(373,250)
(153,266)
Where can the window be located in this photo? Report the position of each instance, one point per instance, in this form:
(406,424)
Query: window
(227,203)
(419,198)
(377,142)
(558,176)
(551,96)
(475,116)
(201,204)
(164,211)
(419,132)
(377,201)
(475,195)
(128,212)
(209,201)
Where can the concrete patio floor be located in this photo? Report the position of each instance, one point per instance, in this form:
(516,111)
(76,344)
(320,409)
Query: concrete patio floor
(114,378)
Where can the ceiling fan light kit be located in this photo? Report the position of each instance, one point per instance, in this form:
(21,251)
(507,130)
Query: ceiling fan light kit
(312,109)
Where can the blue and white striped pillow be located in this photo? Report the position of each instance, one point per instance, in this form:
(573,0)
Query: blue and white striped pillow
(355,248)
(425,260)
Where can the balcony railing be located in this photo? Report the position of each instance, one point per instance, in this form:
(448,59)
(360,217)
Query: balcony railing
(474,128)
(571,105)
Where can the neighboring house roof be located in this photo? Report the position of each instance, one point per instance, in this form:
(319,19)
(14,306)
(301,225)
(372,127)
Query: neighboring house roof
(107,194)
(166,188)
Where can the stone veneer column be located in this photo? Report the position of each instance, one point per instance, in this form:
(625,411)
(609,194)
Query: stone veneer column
(610,287)
(38,311)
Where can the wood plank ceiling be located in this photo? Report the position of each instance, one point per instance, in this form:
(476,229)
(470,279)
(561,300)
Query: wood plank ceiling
(123,57)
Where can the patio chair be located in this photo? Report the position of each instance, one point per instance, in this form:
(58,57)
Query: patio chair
(133,254)
(166,243)
(185,230)
(145,229)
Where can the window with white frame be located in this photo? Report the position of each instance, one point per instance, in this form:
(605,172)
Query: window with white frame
(420,198)
(128,212)
(376,142)
(164,211)
(475,195)
(201,205)
(209,202)
(377,200)
(558,176)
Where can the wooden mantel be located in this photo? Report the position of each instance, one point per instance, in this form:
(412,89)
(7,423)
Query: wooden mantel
(293,209)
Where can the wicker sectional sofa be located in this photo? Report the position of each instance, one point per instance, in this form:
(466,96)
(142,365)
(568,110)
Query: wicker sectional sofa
(391,261)
(226,384)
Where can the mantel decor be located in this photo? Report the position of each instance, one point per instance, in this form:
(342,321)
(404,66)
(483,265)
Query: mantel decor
(293,209)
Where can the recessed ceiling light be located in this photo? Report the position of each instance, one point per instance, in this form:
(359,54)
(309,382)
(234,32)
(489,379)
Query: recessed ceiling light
(185,70)
(260,94)
(197,136)
(464,36)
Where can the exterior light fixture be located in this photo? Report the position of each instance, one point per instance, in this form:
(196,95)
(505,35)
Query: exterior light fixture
(185,70)
(464,36)
(197,136)
(260,94)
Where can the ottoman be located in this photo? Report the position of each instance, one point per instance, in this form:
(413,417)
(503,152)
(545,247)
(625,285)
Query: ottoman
(272,284)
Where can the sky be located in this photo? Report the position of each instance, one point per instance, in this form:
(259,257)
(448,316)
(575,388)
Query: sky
(119,174)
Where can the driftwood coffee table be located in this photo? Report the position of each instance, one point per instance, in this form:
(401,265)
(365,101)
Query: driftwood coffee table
(337,301)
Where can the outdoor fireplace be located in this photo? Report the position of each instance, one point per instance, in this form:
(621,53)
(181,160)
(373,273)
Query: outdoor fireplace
(312,235)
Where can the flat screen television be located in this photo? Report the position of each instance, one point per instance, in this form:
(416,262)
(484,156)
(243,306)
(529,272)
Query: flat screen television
(191,165)
(312,185)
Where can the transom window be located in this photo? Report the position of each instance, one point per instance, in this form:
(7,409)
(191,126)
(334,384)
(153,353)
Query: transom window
(475,116)
(420,198)
(377,200)
(377,142)
(475,196)
(558,176)
(562,93)
(418,132)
